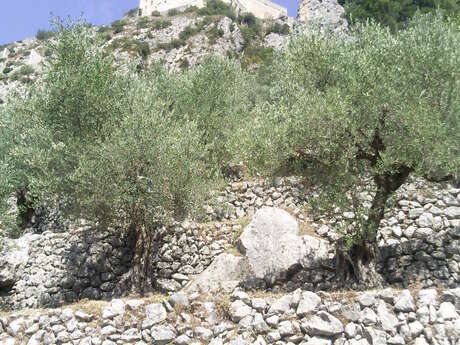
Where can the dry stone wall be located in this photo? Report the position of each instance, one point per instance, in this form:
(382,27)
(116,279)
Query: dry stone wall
(65,267)
(393,317)
(420,243)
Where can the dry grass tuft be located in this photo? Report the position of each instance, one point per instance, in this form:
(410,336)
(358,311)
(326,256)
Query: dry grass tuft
(222,305)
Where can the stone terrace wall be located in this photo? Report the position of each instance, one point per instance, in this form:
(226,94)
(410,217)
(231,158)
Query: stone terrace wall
(65,267)
(371,318)
(420,242)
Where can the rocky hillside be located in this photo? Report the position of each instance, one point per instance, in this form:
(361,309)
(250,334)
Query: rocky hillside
(178,40)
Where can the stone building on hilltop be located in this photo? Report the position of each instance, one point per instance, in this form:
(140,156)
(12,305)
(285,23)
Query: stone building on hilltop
(264,9)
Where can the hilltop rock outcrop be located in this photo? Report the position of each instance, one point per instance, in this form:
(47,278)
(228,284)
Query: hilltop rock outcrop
(325,14)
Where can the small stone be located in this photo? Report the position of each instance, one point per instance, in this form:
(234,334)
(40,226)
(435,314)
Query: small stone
(286,328)
(427,297)
(416,328)
(117,307)
(259,304)
(425,220)
(134,304)
(323,323)
(367,299)
(368,317)
(281,305)
(318,341)
(182,340)
(273,320)
(415,213)
(452,212)
(259,324)
(241,295)
(396,340)
(421,341)
(404,302)
(351,330)
(15,327)
(131,335)
(154,313)
(82,316)
(447,311)
(162,335)
(423,233)
(203,333)
(239,310)
(179,299)
(273,336)
(309,302)
(388,320)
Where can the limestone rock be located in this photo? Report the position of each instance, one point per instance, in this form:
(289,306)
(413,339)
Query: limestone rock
(225,273)
(405,302)
(14,258)
(324,324)
(154,313)
(308,303)
(239,310)
(326,14)
(271,245)
(162,335)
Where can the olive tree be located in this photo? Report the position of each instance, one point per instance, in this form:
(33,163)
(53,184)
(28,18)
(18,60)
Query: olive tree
(112,148)
(377,105)
(147,173)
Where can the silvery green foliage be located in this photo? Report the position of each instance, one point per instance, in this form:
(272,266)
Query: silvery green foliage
(335,97)
(120,149)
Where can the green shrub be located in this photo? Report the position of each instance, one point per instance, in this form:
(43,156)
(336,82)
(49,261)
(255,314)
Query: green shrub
(173,44)
(129,45)
(250,28)
(188,32)
(257,55)
(132,12)
(156,14)
(160,24)
(173,12)
(7,70)
(395,13)
(216,7)
(23,71)
(143,22)
(118,26)
(191,9)
(42,35)
(103,29)
(277,28)
(214,33)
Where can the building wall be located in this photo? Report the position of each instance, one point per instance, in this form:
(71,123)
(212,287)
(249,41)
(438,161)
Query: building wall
(263,9)
(260,8)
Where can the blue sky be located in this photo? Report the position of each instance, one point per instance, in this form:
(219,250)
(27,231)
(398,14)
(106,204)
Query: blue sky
(22,18)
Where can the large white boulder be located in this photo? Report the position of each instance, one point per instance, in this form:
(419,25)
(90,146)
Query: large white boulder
(272,250)
(271,245)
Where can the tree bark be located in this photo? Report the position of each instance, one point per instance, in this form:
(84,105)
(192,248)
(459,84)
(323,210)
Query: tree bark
(358,263)
(139,278)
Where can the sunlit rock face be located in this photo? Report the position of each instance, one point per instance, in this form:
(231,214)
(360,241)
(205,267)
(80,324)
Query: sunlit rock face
(325,14)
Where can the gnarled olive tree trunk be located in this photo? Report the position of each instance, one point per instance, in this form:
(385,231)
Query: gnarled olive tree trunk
(358,263)
(139,278)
